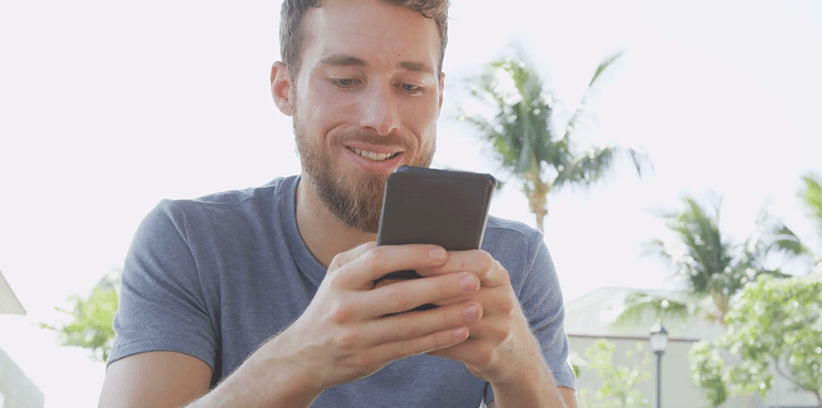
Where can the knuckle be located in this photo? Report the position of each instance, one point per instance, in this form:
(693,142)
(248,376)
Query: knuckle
(405,328)
(377,256)
(347,340)
(507,307)
(486,261)
(504,276)
(335,280)
(367,362)
(336,262)
(397,297)
(499,332)
(341,312)
(406,348)
(484,355)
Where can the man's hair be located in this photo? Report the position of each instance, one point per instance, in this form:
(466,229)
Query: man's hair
(292,35)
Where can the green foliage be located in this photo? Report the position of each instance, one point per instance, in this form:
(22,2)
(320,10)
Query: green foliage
(525,140)
(811,196)
(706,369)
(774,327)
(90,326)
(711,265)
(772,321)
(618,388)
(704,256)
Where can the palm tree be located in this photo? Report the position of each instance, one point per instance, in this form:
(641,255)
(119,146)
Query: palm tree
(525,139)
(713,268)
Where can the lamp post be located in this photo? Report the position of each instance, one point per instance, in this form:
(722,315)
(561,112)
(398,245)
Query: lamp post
(659,341)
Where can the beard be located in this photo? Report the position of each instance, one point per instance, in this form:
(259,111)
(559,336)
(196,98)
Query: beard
(355,200)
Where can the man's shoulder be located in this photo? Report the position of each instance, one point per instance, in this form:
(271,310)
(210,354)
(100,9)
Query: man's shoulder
(511,241)
(270,191)
(234,200)
(501,229)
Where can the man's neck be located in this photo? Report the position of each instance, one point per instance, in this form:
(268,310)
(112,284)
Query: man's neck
(323,233)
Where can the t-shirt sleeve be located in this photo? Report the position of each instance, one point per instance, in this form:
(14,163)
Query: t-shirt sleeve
(162,306)
(541,300)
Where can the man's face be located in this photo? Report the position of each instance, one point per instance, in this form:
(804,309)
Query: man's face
(366,101)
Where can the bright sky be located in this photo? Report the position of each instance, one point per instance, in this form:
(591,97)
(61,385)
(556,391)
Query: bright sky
(108,107)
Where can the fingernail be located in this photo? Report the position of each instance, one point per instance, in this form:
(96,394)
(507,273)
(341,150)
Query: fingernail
(471,313)
(437,254)
(469,284)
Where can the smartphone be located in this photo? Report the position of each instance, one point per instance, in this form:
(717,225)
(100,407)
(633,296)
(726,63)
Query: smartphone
(428,206)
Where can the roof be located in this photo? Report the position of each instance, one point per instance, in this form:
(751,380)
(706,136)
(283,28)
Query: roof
(9,304)
(594,314)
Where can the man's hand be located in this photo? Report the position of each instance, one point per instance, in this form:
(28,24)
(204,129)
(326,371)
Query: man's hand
(502,336)
(501,348)
(344,335)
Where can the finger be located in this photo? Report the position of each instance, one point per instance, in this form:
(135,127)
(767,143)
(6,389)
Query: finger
(480,263)
(413,325)
(375,262)
(471,352)
(344,258)
(403,296)
(406,348)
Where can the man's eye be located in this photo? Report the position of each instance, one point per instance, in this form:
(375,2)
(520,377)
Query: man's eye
(343,82)
(408,88)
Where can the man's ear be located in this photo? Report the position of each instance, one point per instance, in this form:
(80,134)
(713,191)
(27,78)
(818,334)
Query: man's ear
(442,90)
(281,88)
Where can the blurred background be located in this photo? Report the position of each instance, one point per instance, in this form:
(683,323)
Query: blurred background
(108,107)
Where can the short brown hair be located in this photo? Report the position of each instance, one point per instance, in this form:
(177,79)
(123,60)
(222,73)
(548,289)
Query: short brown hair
(291,34)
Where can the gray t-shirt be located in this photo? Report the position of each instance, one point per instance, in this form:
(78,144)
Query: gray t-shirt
(217,276)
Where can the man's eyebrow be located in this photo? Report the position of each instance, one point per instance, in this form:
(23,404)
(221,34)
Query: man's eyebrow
(352,61)
(416,67)
(343,60)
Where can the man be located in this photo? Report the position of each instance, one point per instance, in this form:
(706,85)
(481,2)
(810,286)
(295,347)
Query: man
(265,297)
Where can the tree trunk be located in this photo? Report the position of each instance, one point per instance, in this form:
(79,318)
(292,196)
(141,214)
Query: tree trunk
(538,200)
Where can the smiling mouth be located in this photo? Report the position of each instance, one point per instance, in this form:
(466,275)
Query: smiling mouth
(377,157)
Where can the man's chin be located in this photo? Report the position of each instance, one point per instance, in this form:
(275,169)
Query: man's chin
(356,200)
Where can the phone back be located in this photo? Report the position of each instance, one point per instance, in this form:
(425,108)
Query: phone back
(441,207)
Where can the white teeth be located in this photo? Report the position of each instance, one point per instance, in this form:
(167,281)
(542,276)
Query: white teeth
(373,156)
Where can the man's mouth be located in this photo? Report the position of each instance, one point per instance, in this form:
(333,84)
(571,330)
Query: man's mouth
(373,156)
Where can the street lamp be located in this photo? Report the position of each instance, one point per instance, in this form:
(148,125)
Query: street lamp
(659,341)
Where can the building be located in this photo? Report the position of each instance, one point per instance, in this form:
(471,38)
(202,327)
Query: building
(591,317)
(16,389)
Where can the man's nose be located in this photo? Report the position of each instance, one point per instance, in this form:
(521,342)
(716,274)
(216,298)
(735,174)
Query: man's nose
(378,109)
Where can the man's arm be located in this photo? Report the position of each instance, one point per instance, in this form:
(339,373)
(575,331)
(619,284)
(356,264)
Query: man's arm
(568,395)
(349,330)
(154,379)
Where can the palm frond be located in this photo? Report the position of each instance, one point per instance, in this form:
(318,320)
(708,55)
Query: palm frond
(706,255)
(639,306)
(520,128)
(602,67)
(589,167)
(812,196)
(580,111)
(586,168)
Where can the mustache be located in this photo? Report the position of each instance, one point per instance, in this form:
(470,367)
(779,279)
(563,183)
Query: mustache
(373,138)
